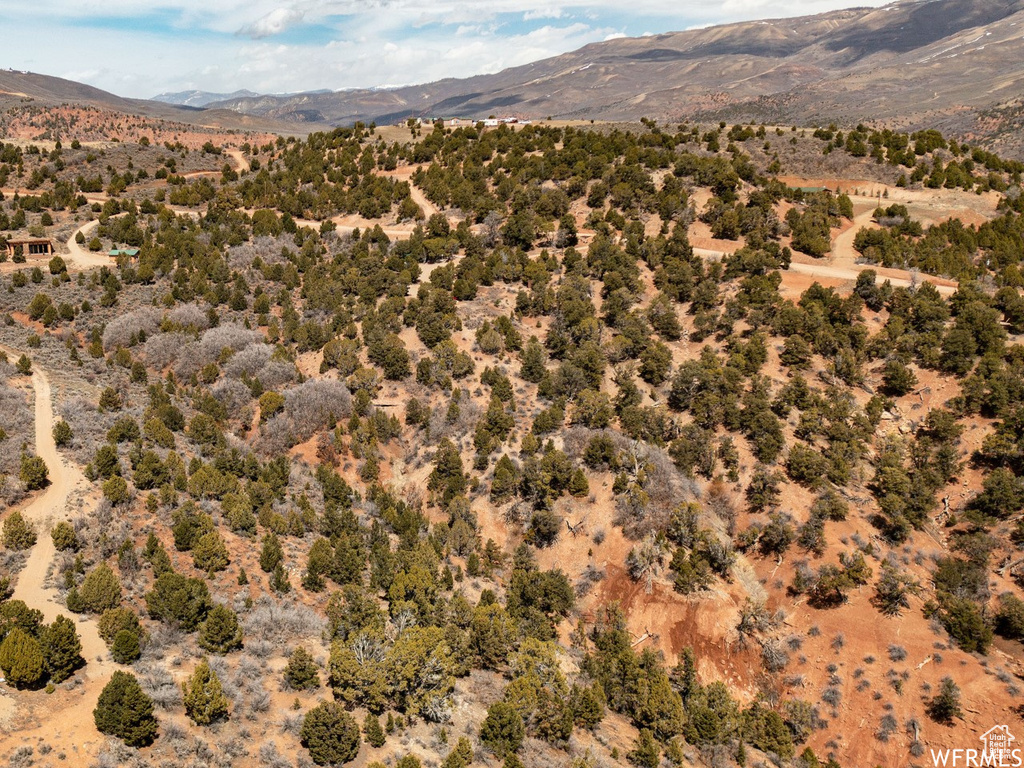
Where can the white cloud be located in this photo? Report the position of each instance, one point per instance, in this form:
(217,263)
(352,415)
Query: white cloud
(543,13)
(273,23)
(225,45)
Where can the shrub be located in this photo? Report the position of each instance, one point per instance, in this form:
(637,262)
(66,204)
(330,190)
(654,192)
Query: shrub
(302,672)
(1010,617)
(330,734)
(125,711)
(65,539)
(33,473)
(204,697)
(100,590)
(21,658)
(62,650)
(18,534)
(220,632)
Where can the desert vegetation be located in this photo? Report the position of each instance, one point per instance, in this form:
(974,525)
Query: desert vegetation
(501,490)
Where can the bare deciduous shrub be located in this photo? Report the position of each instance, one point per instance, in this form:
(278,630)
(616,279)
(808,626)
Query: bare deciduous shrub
(314,404)
(164,349)
(897,652)
(232,394)
(188,316)
(123,329)
(227,336)
(158,684)
(249,361)
(773,657)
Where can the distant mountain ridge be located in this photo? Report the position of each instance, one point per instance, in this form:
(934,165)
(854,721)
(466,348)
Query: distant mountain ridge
(201,98)
(907,64)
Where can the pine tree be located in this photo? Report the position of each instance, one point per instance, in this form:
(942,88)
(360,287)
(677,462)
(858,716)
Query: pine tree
(502,731)
(21,659)
(125,711)
(578,485)
(62,650)
(204,697)
(372,731)
(945,706)
(210,553)
(220,632)
(271,555)
(34,473)
(100,590)
(65,539)
(330,734)
(279,580)
(125,648)
(301,671)
(461,756)
(645,753)
(18,534)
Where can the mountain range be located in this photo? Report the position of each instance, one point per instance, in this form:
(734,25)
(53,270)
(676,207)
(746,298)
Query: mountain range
(955,65)
(200,98)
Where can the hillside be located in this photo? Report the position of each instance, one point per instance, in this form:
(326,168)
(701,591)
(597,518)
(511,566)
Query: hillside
(908,65)
(554,446)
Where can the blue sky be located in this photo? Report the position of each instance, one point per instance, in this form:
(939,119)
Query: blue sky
(140,48)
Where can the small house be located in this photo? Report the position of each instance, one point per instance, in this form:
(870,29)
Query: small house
(38,246)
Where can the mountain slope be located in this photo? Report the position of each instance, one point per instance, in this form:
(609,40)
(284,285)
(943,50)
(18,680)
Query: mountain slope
(200,98)
(905,62)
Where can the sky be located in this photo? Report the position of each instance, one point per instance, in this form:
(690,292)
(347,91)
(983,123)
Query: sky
(139,48)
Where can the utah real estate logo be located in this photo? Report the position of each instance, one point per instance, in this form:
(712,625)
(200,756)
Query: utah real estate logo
(997,752)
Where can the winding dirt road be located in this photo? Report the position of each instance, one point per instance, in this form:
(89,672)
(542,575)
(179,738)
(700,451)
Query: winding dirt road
(43,512)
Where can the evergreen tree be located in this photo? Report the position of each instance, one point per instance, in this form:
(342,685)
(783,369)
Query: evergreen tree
(62,434)
(204,697)
(33,472)
(210,553)
(461,756)
(125,648)
(372,731)
(502,731)
(21,659)
(18,534)
(272,554)
(65,539)
(578,484)
(945,706)
(220,632)
(279,580)
(301,671)
(645,752)
(100,590)
(125,711)
(62,650)
(330,734)
(175,598)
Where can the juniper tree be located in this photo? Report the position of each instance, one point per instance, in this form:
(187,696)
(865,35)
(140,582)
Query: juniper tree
(62,649)
(220,633)
(204,697)
(125,711)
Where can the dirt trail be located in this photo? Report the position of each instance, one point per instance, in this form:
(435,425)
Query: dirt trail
(83,258)
(242,164)
(43,513)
